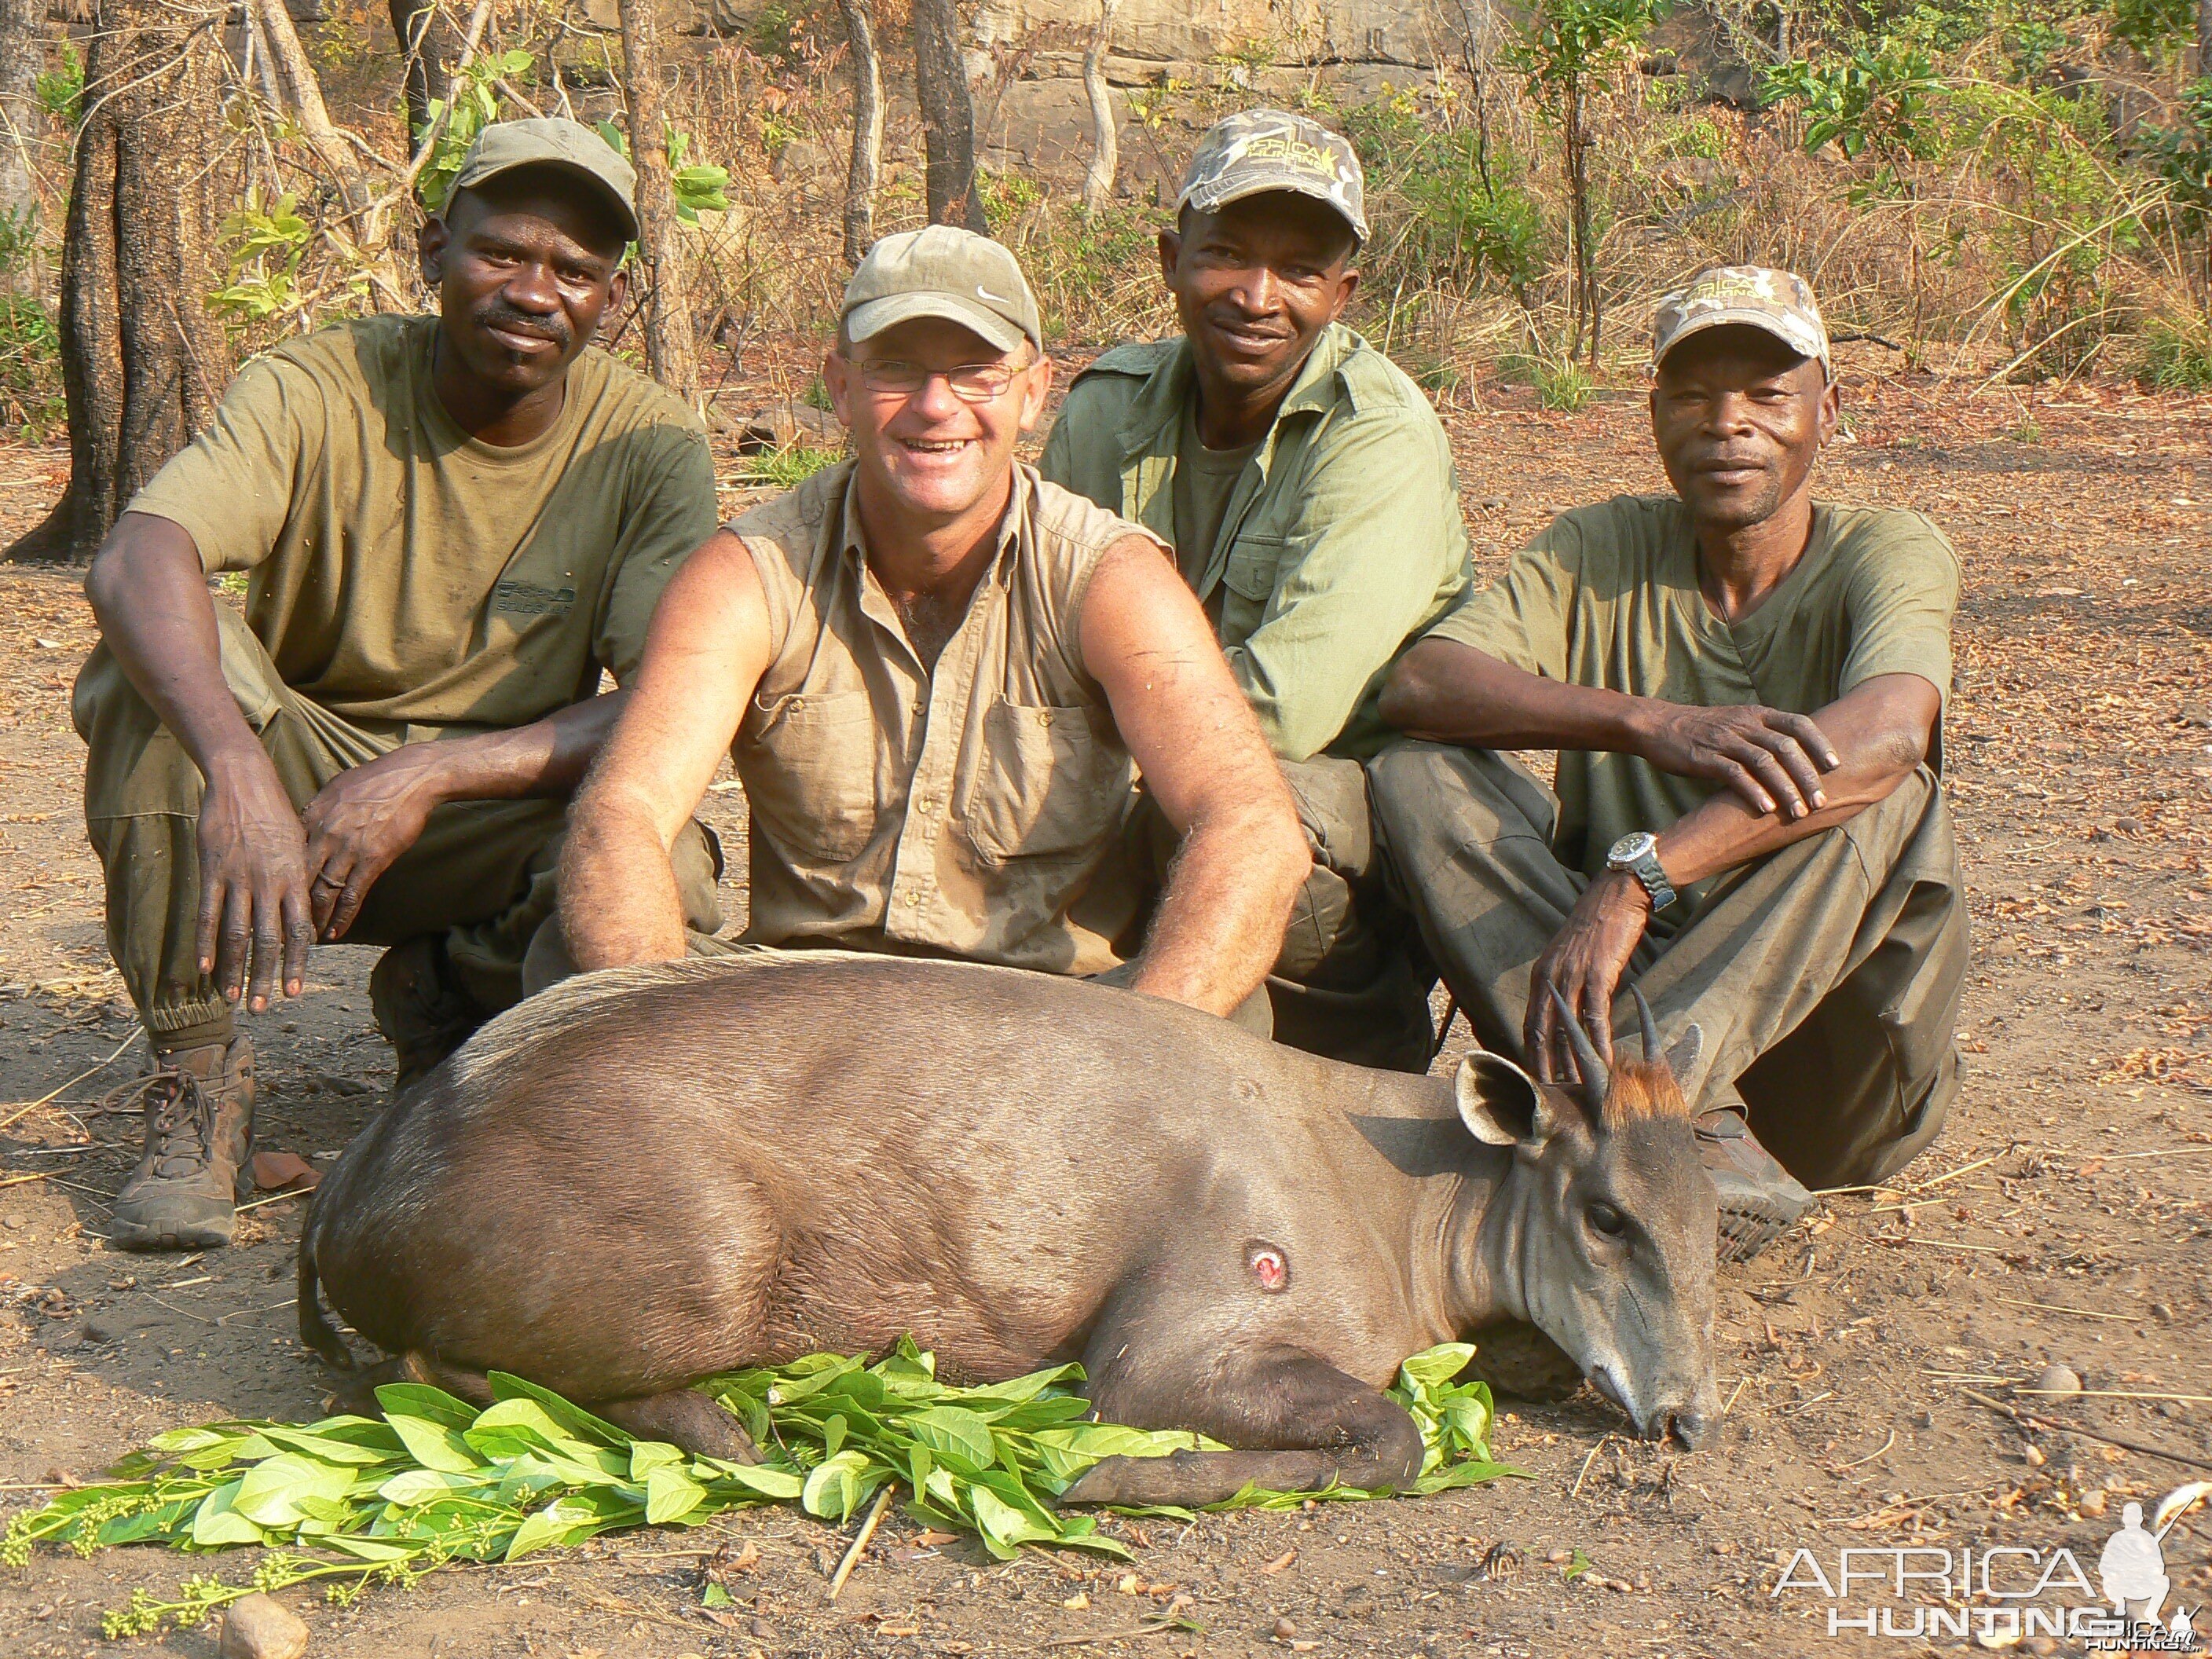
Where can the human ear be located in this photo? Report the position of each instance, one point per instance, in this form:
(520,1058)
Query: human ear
(431,243)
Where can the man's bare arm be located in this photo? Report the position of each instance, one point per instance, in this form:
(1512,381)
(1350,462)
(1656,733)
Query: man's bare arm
(1882,730)
(1220,923)
(149,593)
(704,655)
(1770,758)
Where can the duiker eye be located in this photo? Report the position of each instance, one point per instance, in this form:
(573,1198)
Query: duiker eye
(1606,1218)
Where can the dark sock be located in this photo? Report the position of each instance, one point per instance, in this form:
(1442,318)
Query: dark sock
(221,1028)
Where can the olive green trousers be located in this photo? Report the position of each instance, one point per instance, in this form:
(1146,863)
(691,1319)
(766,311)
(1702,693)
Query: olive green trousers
(481,874)
(1826,976)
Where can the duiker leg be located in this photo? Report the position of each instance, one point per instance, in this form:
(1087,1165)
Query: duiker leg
(683,1417)
(1300,1423)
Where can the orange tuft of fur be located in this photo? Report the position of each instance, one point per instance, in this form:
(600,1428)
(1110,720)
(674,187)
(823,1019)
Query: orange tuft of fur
(1641,1090)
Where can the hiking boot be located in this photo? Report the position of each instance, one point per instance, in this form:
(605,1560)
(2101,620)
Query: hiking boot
(199,1141)
(421,1010)
(1758,1197)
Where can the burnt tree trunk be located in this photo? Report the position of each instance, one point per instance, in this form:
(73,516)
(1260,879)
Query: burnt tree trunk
(865,168)
(670,352)
(23,55)
(430,45)
(948,116)
(142,362)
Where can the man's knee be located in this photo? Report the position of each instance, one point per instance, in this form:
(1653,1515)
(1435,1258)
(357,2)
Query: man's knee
(1426,792)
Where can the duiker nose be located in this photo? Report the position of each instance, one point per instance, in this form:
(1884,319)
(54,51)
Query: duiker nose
(1693,1429)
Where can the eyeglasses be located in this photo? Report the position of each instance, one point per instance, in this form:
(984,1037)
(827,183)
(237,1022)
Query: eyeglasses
(972,383)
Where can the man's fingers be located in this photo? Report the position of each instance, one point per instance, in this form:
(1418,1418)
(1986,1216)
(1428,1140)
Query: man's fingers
(1809,737)
(1536,1029)
(298,940)
(212,892)
(1803,774)
(1768,770)
(348,902)
(234,942)
(1747,788)
(268,950)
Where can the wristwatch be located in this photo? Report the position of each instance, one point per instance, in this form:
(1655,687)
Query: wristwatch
(1638,854)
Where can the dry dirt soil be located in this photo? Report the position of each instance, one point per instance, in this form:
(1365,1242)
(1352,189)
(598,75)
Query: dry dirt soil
(2060,1217)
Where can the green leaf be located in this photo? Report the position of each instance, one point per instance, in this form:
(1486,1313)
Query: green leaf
(1434,1367)
(273,1489)
(420,1399)
(647,1455)
(834,1490)
(959,1437)
(558,1523)
(670,1494)
(435,1446)
(715,1596)
(573,1419)
(214,1524)
(1580,1565)
(764,1479)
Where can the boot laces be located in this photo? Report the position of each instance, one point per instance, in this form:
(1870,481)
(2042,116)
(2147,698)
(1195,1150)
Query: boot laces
(180,1120)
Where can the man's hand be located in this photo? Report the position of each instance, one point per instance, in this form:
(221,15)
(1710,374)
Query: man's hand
(1771,759)
(360,823)
(1585,962)
(253,883)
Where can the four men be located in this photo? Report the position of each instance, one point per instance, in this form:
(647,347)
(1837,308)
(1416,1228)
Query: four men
(1128,715)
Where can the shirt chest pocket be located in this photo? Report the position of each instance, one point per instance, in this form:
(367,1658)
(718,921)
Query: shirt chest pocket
(1046,783)
(1254,566)
(809,768)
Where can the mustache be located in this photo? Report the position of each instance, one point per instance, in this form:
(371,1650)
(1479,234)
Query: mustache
(497,315)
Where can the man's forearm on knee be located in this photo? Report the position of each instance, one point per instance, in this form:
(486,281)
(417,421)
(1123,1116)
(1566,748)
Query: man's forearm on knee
(148,592)
(547,757)
(1221,922)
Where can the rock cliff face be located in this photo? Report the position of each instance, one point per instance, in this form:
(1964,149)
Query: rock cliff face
(1150,35)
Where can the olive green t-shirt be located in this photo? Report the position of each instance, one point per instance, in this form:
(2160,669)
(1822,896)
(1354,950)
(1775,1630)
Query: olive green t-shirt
(1608,596)
(404,573)
(1204,480)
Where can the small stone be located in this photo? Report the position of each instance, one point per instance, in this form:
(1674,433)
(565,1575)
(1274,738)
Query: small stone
(14,1223)
(2058,1379)
(2162,1312)
(258,1627)
(2091,1504)
(2034,1456)
(2128,826)
(761,1628)
(1284,1630)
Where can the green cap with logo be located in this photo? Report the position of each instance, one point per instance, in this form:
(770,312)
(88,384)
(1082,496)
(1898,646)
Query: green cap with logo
(1780,303)
(1264,149)
(942,270)
(554,142)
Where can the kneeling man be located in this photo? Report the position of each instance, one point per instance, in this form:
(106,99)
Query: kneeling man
(934,672)
(1745,687)
(453,524)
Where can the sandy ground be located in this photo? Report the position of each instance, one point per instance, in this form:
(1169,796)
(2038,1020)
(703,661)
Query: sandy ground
(2060,1217)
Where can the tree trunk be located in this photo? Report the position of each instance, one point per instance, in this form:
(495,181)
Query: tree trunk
(948,116)
(302,94)
(670,350)
(867,165)
(1105,138)
(429,44)
(23,55)
(142,362)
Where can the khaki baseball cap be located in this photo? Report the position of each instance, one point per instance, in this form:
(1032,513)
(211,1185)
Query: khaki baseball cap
(942,270)
(1264,149)
(1780,303)
(553,141)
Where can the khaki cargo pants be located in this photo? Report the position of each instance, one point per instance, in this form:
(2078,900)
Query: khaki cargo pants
(481,874)
(1352,980)
(1826,976)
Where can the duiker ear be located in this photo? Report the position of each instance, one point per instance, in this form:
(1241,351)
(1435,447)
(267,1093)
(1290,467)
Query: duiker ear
(1682,1058)
(1499,1102)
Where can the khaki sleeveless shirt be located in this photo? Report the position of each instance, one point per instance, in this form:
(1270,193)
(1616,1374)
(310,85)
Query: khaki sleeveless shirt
(975,811)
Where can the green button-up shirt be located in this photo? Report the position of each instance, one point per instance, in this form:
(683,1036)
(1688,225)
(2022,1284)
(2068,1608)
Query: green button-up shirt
(1342,542)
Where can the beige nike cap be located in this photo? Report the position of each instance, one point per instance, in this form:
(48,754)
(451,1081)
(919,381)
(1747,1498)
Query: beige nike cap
(942,270)
(554,142)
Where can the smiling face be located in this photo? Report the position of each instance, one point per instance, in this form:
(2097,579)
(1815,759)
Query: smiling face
(525,266)
(928,451)
(1255,283)
(1739,419)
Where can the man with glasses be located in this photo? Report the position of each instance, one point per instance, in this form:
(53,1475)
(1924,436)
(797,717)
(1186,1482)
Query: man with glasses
(1307,487)
(936,675)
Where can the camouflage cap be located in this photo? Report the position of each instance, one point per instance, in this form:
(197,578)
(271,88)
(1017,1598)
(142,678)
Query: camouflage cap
(1779,301)
(1264,149)
(566,146)
(942,270)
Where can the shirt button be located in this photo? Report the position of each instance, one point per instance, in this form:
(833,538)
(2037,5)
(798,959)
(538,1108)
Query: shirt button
(797,703)
(925,805)
(1044,717)
(921,708)
(913,899)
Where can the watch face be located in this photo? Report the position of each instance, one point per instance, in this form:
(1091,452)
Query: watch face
(1631,847)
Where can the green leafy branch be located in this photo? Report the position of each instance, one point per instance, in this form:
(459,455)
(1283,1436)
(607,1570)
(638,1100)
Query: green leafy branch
(437,1479)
